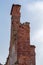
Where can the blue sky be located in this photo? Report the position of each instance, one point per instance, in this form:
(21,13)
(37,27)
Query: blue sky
(31,11)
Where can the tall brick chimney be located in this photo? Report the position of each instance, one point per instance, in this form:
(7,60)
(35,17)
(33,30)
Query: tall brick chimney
(20,51)
(15,22)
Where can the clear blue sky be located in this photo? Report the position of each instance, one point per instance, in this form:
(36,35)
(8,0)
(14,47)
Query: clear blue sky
(31,11)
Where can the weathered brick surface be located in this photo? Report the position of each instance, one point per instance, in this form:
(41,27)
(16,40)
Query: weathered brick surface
(20,51)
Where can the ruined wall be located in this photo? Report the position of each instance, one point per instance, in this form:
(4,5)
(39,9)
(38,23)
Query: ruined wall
(20,51)
(25,51)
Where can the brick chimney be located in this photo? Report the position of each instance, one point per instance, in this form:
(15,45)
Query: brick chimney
(15,22)
(20,51)
(15,12)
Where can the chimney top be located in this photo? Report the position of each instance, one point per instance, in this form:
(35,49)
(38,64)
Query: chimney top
(17,5)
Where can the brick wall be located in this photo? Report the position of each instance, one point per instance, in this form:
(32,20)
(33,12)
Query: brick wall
(20,51)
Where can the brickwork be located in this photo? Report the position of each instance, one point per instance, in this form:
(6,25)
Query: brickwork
(20,51)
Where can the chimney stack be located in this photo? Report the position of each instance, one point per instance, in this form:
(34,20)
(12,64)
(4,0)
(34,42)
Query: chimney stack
(15,10)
